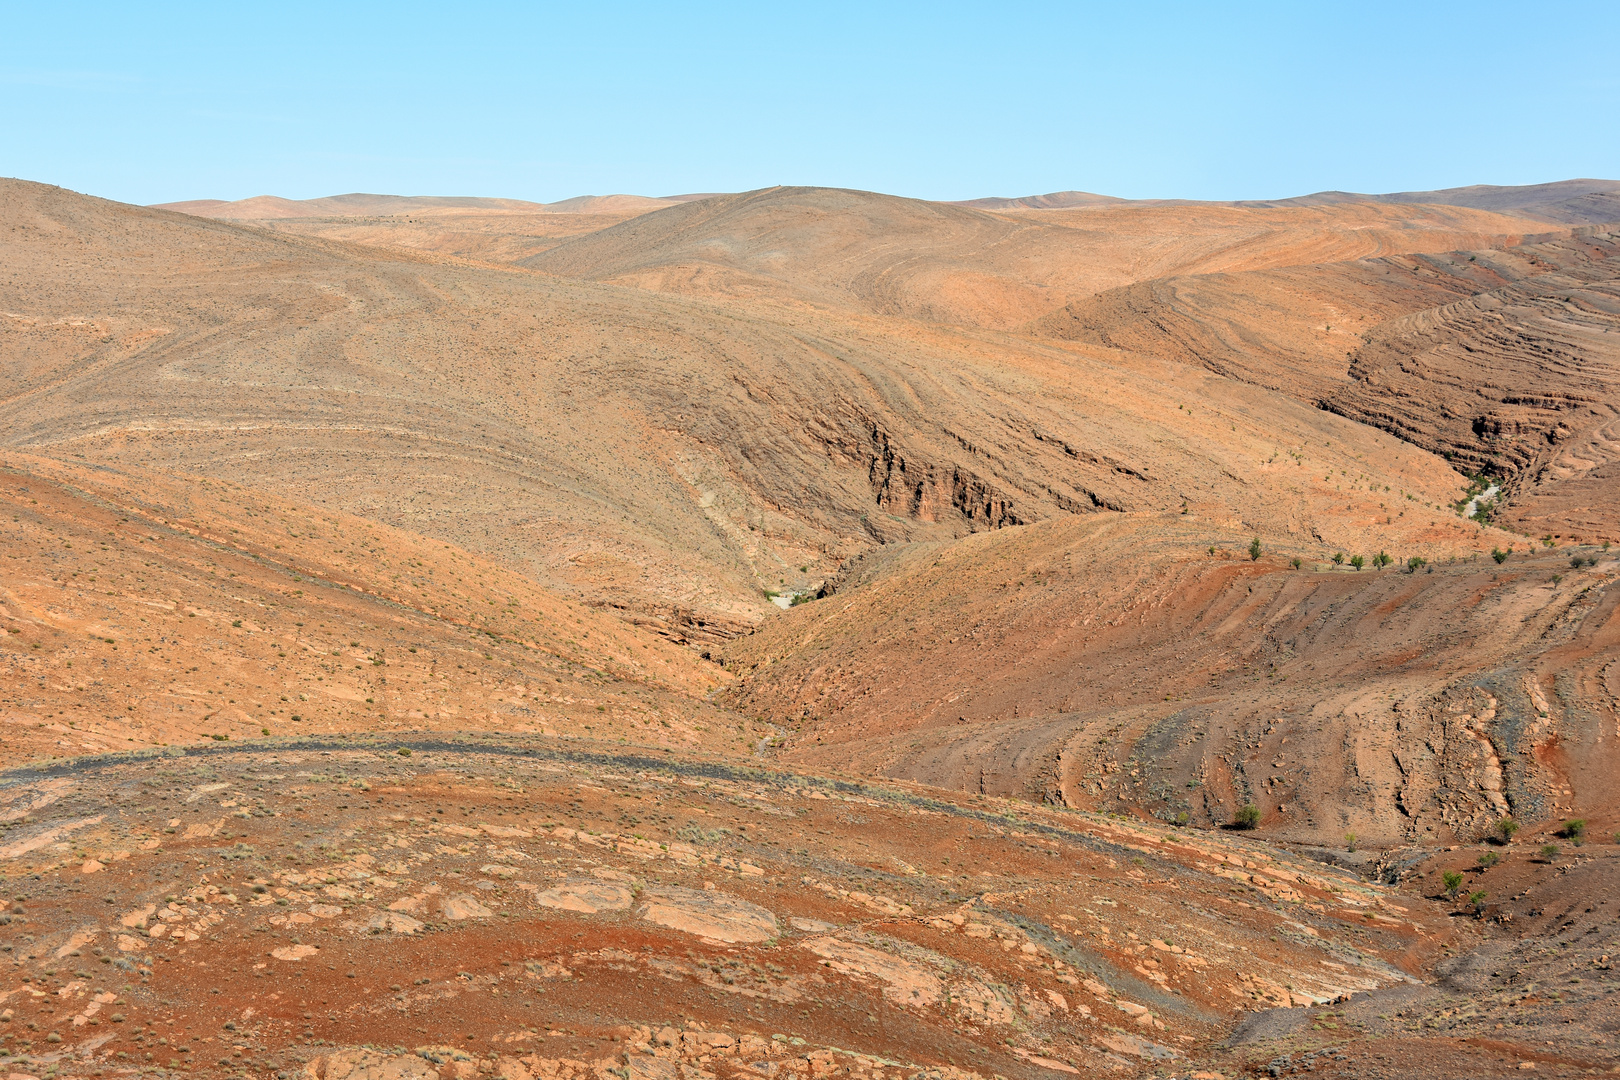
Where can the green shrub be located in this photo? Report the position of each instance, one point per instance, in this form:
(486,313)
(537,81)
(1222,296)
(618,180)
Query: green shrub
(1452,880)
(1499,555)
(1575,831)
(1338,558)
(1489,859)
(1506,828)
(1254,548)
(1415,563)
(1357,561)
(1382,559)
(1550,851)
(1247,817)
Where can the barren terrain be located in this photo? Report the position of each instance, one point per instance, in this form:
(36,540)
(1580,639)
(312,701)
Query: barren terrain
(809,632)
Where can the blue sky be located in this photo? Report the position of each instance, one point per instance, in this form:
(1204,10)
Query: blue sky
(149,103)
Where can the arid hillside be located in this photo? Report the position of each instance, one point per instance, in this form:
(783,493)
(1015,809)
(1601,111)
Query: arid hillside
(955,264)
(809,633)
(672,457)
(142,612)
(482,230)
(1504,361)
(1151,666)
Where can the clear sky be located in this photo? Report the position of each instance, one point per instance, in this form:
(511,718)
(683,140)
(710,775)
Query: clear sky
(148,103)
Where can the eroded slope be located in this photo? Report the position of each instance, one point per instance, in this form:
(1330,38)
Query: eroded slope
(1150,666)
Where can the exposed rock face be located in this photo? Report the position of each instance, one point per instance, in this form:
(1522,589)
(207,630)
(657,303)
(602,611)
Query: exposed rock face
(1503,360)
(708,914)
(1108,665)
(586,896)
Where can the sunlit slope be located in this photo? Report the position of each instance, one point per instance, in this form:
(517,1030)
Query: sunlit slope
(1505,361)
(952,263)
(143,611)
(672,457)
(1150,664)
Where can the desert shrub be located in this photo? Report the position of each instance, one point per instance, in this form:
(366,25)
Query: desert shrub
(1382,559)
(1297,562)
(1338,558)
(1357,561)
(1247,817)
(1476,900)
(1499,555)
(1575,831)
(1415,563)
(1506,828)
(1576,562)
(1550,851)
(1489,859)
(1452,880)
(1254,548)
(1349,841)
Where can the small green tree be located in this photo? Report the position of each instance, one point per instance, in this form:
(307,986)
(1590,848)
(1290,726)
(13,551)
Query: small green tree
(1575,831)
(1247,817)
(1476,900)
(1296,562)
(1501,556)
(1550,851)
(1382,559)
(1489,859)
(1506,828)
(1338,558)
(1452,880)
(1357,561)
(1254,548)
(1415,563)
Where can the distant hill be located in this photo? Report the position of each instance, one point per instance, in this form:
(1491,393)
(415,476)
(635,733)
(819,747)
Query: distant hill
(273,207)
(1568,202)
(1057,200)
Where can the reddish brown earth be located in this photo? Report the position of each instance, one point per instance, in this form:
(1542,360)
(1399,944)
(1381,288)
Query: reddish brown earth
(391,684)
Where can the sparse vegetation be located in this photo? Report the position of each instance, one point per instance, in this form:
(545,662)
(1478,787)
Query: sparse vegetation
(1574,831)
(1506,828)
(1501,556)
(1415,563)
(1382,559)
(1338,558)
(1357,561)
(1247,817)
(1549,852)
(1254,548)
(1452,880)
